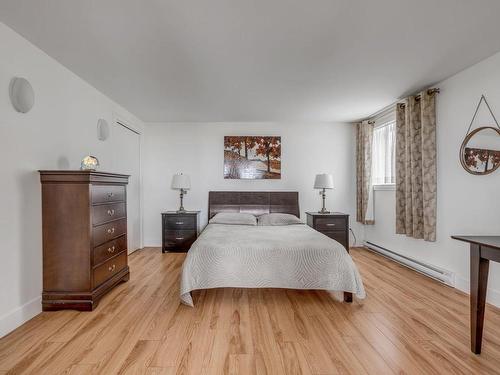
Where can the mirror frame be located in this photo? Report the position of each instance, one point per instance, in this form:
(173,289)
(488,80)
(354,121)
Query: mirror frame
(464,144)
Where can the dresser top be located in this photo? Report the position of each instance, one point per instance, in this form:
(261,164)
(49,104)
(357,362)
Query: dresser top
(79,176)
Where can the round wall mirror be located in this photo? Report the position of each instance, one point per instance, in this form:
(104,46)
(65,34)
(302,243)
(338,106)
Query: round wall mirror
(480,151)
(102,129)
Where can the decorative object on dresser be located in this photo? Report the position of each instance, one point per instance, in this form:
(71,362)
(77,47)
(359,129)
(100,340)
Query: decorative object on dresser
(89,163)
(335,225)
(84,216)
(179,230)
(323,182)
(181,182)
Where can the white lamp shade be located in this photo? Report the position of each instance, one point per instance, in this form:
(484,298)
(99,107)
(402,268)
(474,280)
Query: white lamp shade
(181,181)
(323,181)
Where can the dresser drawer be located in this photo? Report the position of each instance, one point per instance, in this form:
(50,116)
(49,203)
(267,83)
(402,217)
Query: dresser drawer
(109,268)
(108,212)
(339,236)
(106,232)
(109,249)
(180,222)
(107,193)
(330,223)
(179,239)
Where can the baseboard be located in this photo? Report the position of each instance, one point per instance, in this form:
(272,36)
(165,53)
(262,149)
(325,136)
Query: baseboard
(452,279)
(492,295)
(13,319)
(445,276)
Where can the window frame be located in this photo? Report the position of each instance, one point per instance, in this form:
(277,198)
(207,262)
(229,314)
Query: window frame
(381,123)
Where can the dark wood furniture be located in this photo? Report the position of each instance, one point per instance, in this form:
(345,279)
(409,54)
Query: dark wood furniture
(84,220)
(258,203)
(179,230)
(335,225)
(253,202)
(482,250)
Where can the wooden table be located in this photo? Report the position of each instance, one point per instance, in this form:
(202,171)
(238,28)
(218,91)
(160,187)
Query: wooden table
(482,250)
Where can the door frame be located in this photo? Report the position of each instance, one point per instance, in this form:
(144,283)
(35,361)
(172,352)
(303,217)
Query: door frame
(130,125)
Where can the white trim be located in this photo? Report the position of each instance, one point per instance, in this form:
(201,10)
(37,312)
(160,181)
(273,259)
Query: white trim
(383,123)
(20,315)
(120,120)
(437,273)
(388,119)
(384,187)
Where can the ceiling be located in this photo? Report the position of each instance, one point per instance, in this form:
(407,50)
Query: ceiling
(259,60)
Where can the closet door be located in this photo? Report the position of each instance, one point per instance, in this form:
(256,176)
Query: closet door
(128,161)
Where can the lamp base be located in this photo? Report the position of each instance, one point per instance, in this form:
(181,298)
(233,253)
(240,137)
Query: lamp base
(181,209)
(323,197)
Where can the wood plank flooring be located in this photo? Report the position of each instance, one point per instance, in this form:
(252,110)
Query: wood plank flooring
(407,324)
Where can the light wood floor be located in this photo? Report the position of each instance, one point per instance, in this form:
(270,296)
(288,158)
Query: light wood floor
(407,324)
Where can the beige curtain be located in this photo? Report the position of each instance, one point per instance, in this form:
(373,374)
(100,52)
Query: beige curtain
(364,140)
(416,167)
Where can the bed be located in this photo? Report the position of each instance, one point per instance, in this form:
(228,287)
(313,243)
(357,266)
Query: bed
(288,256)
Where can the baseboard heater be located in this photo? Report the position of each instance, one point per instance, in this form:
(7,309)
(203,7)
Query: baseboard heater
(434,272)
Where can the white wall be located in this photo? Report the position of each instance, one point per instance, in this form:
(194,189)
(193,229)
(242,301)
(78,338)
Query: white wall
(467,204)
(197,149)
(55,134)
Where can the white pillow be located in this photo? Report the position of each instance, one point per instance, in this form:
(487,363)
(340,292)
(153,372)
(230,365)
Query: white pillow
(235,218)
(278,219)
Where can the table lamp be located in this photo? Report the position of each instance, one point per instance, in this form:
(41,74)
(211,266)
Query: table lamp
(181,182)
(323,182)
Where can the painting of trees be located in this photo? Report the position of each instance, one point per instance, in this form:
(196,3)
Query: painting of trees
(252,157)
(270,148)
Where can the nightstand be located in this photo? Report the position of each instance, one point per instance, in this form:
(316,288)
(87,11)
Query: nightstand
(335,225)
(179,230)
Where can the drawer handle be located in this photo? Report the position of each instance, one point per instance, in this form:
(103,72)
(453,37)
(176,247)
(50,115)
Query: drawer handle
(330,225)
(179,222)
(111,212)
(111,194)
(111,249)
(111,230)
(179,238)
(111,268)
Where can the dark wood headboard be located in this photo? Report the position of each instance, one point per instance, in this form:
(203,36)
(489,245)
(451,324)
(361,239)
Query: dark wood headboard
(253,202)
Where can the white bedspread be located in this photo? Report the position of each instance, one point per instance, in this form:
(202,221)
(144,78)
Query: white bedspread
(243,256)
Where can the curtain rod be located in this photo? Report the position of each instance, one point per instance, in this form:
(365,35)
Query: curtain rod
(418,97)
(432,91)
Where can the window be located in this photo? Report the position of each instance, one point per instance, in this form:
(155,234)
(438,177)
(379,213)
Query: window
(383,157)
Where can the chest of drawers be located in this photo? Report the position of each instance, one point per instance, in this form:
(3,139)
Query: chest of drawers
(84,221)
(335,225)
(180,230)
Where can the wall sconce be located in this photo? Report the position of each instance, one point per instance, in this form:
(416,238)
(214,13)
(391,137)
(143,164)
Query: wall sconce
(21,94)
(102,129)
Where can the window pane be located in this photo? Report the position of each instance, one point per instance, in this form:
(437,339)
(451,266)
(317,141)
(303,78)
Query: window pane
(383,161)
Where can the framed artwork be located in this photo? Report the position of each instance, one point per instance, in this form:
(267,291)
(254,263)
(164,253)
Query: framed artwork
(252,157)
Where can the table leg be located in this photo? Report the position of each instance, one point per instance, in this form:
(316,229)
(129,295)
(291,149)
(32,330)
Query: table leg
(478,285)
